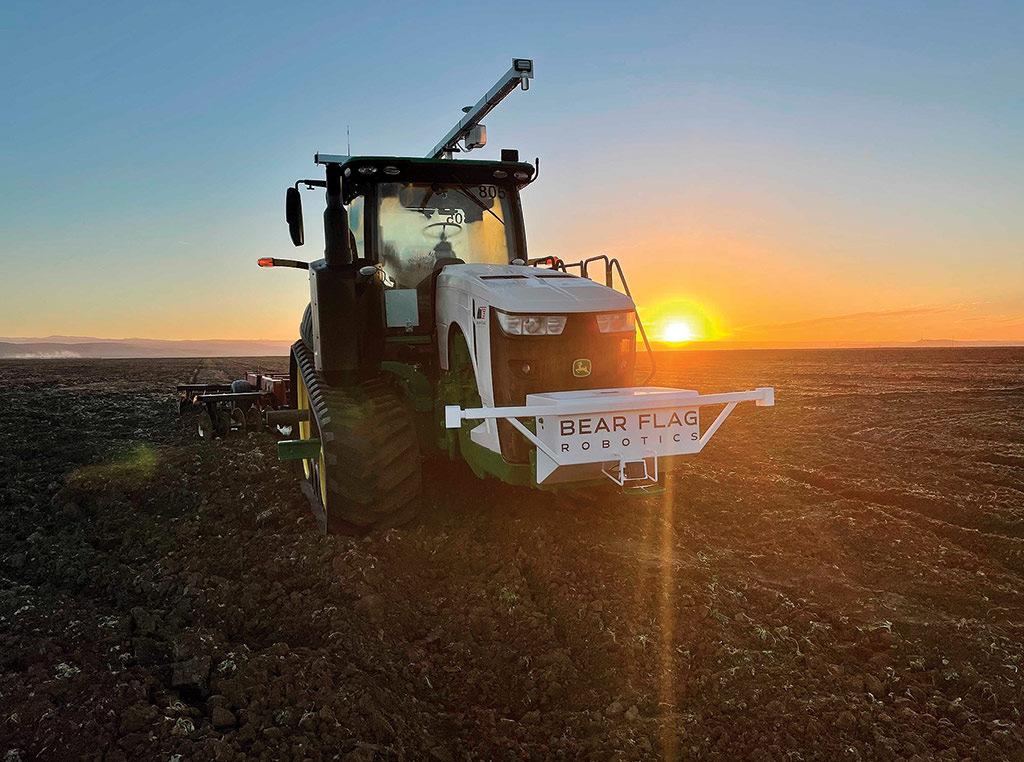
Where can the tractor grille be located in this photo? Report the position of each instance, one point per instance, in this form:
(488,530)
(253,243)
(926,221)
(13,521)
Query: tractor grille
(551,359)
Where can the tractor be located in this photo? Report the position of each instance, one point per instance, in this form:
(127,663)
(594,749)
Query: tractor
(430,331)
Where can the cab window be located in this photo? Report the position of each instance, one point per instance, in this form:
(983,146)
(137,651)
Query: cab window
(424,223)
(355,225)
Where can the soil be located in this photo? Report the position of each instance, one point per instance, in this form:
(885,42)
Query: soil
(837,578)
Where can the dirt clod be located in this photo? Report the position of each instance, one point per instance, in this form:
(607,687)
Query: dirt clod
(221,717)
(138,717)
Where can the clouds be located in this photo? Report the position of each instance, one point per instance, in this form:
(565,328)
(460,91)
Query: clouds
(853,318)
(961,321)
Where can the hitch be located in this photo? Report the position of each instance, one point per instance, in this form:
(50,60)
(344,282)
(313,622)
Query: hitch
(632,471)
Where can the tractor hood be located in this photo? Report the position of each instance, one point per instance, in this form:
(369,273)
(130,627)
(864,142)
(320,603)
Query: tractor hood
(521,288)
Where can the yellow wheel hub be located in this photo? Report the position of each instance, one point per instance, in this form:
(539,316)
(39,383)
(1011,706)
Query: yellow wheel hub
(315,475)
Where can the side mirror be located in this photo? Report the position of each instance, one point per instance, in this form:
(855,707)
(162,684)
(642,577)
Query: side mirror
(293,213)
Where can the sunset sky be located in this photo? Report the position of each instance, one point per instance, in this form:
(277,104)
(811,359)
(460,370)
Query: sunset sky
(782,172)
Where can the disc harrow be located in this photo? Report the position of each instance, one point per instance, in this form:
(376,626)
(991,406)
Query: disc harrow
(238,407)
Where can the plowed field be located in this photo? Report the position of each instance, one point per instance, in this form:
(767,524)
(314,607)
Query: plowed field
(838,578)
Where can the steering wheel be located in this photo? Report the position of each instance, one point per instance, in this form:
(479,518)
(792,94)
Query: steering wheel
(443,232)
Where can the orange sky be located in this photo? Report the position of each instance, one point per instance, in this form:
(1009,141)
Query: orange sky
(760,273)
(730,265)
(721,280)
(772,173)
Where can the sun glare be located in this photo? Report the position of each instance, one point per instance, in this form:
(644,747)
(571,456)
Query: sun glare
(681,321)
(677,332)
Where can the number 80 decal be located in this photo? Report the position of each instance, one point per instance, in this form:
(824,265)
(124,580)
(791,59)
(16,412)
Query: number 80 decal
(491,191)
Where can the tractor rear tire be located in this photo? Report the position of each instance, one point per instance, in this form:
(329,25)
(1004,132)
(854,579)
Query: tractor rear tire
(306,327)
(368,474)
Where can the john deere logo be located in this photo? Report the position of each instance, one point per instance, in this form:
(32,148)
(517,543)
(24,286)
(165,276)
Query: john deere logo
(581,367)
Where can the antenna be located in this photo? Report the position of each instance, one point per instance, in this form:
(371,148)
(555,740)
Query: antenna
(348,141)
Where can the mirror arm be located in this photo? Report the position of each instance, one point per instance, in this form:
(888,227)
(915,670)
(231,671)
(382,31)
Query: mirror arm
(310,184)
(275,262)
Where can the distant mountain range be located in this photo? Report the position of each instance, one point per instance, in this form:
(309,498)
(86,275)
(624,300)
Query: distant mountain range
(70,347)
(56,347)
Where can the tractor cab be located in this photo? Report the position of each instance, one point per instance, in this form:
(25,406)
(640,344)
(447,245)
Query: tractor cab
(412,217)
(391,225)
(408,214)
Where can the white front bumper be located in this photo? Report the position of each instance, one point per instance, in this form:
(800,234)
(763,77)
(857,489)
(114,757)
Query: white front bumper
(582,434)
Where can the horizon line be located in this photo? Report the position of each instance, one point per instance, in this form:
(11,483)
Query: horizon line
(62,338)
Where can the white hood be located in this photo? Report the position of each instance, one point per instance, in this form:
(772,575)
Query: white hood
(521,288)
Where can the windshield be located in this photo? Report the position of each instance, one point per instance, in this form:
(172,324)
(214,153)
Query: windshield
(422,223)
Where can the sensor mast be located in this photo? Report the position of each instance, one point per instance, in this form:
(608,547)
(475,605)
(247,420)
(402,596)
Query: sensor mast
(469,127)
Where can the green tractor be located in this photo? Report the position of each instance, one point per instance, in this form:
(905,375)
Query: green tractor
(431,331)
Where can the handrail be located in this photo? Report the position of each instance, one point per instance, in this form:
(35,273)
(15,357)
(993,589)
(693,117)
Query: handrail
(639,323)
(585,268)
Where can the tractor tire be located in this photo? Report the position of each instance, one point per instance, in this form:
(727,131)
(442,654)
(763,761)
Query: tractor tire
(368,474)
(306,327)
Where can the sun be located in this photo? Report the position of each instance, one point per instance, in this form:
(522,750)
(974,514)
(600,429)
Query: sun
(677,332)
(676,322)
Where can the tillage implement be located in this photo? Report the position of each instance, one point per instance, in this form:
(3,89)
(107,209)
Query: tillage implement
(430,330)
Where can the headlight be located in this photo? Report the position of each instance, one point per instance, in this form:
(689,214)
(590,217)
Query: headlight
(612,322)
(530,325)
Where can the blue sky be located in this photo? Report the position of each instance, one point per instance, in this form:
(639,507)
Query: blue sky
(782,161)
